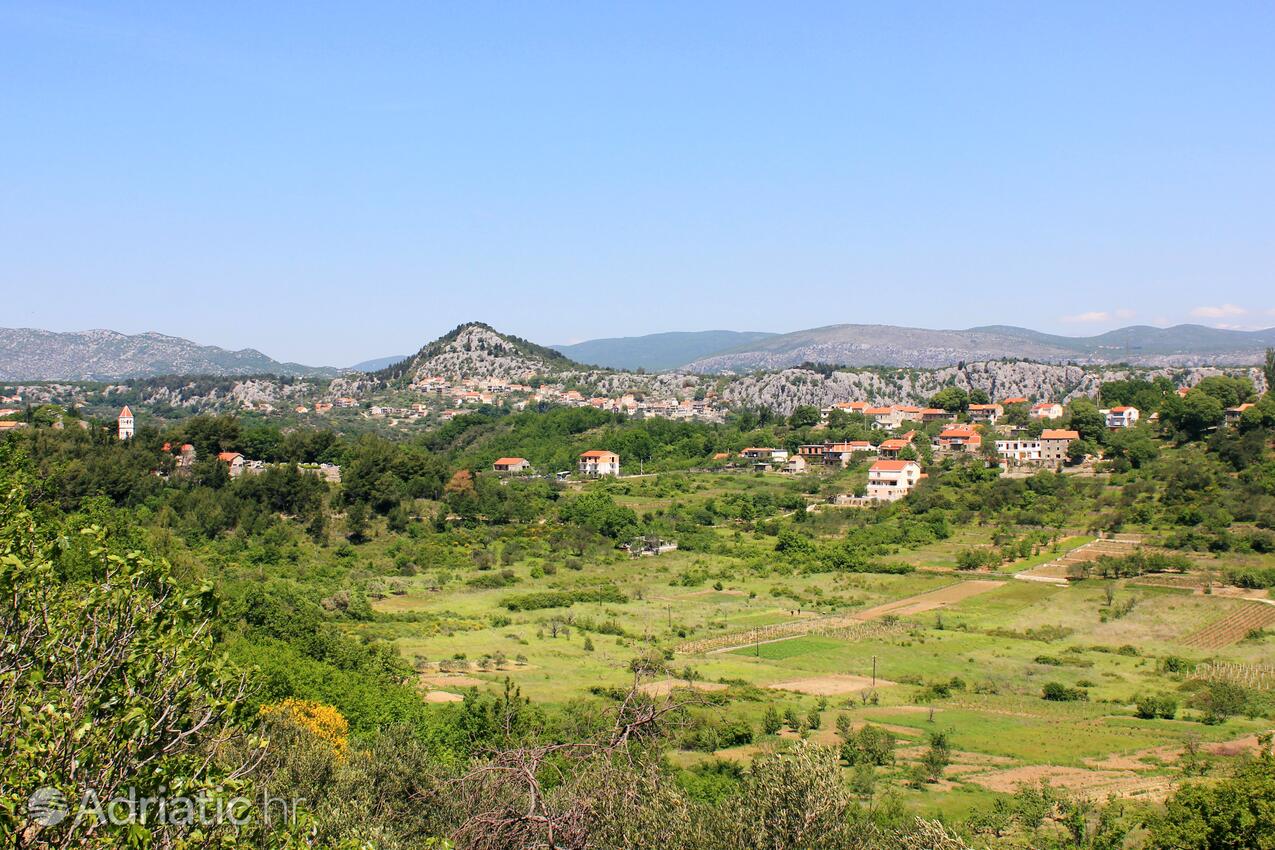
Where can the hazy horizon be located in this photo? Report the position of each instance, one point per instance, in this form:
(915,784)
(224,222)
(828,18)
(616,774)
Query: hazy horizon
(329,185)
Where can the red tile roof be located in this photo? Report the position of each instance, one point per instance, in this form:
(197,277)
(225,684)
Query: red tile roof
(1059,434)
(891,465)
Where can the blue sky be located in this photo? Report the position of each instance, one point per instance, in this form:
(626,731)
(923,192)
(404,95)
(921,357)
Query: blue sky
(331,182)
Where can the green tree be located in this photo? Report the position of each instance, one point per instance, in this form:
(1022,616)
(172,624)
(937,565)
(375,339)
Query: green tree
(110,677)
(804,416)
(1226,389)
(1234,814)
(1193,414)
(1083,416)
(951,399)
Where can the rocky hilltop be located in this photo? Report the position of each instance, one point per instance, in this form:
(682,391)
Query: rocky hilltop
(476,350)
(27,354)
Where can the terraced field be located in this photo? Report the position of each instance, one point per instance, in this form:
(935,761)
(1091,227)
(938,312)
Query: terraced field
(1234,627)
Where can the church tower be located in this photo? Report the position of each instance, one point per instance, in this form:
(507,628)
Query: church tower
(126,423)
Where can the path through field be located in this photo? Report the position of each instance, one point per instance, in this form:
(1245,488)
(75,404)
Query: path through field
(940,598)
(851,626)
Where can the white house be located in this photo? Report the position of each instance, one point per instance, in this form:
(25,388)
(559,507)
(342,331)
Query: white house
(1019,451)
(596,463)
(125,422)
(1122,417)
(891,480)
(1047,410)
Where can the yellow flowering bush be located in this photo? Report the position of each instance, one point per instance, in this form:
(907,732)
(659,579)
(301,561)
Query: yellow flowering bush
(322,721)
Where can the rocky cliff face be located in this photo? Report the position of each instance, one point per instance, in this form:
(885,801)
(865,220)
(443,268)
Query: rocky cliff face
(785,390)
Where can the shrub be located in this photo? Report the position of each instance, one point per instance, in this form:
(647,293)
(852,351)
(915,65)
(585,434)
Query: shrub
(1058,692)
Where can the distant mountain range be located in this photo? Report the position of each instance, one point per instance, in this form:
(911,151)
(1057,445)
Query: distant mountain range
(658,352)
(890,345)
(378,363)
(476,350)
(100,355)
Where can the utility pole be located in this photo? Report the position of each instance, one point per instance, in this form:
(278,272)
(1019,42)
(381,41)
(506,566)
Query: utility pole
(670,616)
(874,671)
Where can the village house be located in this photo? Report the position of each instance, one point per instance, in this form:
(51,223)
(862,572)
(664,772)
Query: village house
(845,407)
(125,423)
(185,456)
(843,453)
(234,461)
(301,408)
(959,438)
(891,480)
(909,413)
(1018,399)
(12,424)
(936,414)
(1047,410)
(809,450)
(322,406)
(796,465)
(1019,451)
(1234,414)
(756,453)
(1121,417)
(511,464)
(1054,443)
(986,413)
(889,449)
(883,417)
(596,463)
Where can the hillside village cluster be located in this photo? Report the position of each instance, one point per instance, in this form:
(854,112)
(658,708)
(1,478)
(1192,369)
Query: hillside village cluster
(892,476)
(897,469)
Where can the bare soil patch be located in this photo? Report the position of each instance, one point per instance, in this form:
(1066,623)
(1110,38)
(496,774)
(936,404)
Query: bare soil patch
(444,681)
(664,687)
(832,685)
(443,696)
